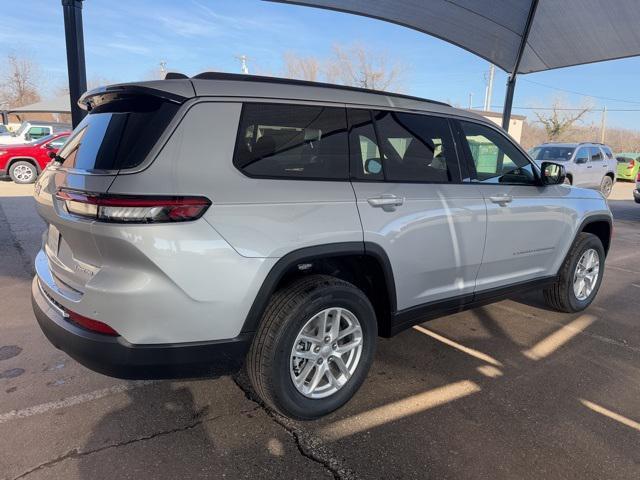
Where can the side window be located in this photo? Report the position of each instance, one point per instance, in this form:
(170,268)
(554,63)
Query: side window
(608,152)
(582,156)
(596,154)
(496,159)
(366,161)
(58,142)
(416,148)
(292,141)
(38,132)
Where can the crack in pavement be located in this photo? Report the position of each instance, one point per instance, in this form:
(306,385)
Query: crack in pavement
(308,445)
(77,453)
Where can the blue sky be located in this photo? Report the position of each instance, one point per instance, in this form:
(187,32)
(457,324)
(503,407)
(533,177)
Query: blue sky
(125,41)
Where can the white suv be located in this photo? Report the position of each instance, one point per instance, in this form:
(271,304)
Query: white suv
(196,225)
(589,165)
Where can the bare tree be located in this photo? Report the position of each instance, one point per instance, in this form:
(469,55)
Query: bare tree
(561,119)
(359,67)
(93,82)
(19,82)
(301,68)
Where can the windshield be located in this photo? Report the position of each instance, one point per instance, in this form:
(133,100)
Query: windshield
(44,139)
(118,134)
(552,153)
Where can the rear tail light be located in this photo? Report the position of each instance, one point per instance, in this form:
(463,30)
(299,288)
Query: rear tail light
(631,164)
(90,324)
(130,209)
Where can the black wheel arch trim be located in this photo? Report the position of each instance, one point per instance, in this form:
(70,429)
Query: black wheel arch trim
(307,254)
(589,219)
(31,160)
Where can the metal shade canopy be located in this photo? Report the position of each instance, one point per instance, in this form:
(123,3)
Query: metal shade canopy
(519,36)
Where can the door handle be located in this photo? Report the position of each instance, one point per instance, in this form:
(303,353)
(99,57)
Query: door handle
(589,166)
(386,202)
(501,200)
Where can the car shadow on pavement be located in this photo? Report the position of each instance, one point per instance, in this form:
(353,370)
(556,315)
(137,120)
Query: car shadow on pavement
(146,435)
(489,404)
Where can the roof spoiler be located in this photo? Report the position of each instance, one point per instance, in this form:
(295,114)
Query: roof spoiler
(101,95)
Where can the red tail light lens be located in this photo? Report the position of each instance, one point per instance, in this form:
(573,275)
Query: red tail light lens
(90,324)
(631,164)
(129,209)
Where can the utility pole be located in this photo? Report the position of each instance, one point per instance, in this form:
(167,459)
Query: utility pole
(488,93)
(163,69)
(244,68)
(603,124)
(470,100)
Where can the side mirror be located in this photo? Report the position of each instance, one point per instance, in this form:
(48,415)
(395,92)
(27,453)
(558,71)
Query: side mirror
(48,146)
(52,155)
(581,160)
(552,173)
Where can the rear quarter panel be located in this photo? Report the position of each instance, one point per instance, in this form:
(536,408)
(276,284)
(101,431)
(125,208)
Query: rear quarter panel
(258,217)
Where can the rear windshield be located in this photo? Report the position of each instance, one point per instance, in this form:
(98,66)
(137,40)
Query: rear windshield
(552,153)
(118,135)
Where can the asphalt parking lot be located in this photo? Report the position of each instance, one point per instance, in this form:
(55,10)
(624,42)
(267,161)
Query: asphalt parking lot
(510,390)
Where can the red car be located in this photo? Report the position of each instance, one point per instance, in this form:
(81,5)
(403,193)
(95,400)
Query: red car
(24,162)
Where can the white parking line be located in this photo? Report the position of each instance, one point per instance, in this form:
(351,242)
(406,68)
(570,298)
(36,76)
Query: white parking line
(398,410)
(71,401)
(557,339)
(612,415)
(469,351)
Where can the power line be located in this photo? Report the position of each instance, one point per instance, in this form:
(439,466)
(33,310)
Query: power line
(580,93)
(565,109)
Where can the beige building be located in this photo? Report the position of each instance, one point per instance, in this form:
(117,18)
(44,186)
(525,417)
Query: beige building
(515,125)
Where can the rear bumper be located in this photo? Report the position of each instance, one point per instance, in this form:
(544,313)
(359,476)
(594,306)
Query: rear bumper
(116,357)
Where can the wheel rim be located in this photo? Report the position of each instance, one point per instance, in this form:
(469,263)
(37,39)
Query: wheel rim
(586,274)
(326,352)
(606,187)
(23,173)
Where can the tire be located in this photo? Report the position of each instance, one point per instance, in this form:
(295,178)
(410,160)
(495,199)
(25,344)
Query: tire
(23,172)
(567,181)
(561,295)
(270,365)
(605,186)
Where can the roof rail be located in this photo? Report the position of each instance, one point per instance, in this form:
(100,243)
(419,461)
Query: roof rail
(306,83)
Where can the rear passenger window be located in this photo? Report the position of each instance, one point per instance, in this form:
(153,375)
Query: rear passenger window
(608,152)
(366,161)
(596,154)
(292,141)
(401,147)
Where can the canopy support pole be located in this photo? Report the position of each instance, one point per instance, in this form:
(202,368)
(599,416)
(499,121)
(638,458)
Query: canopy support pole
(75,56)
(4,117)
(511,82)
(508,102)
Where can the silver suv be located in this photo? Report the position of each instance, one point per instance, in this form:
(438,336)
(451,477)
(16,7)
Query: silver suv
(590,165)
(196,225)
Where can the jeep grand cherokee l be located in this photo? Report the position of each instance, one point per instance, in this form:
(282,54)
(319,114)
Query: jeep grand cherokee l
(196,225)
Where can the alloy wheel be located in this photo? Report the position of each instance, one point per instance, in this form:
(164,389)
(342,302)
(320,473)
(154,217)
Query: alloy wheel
(586,274)
(326,352)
